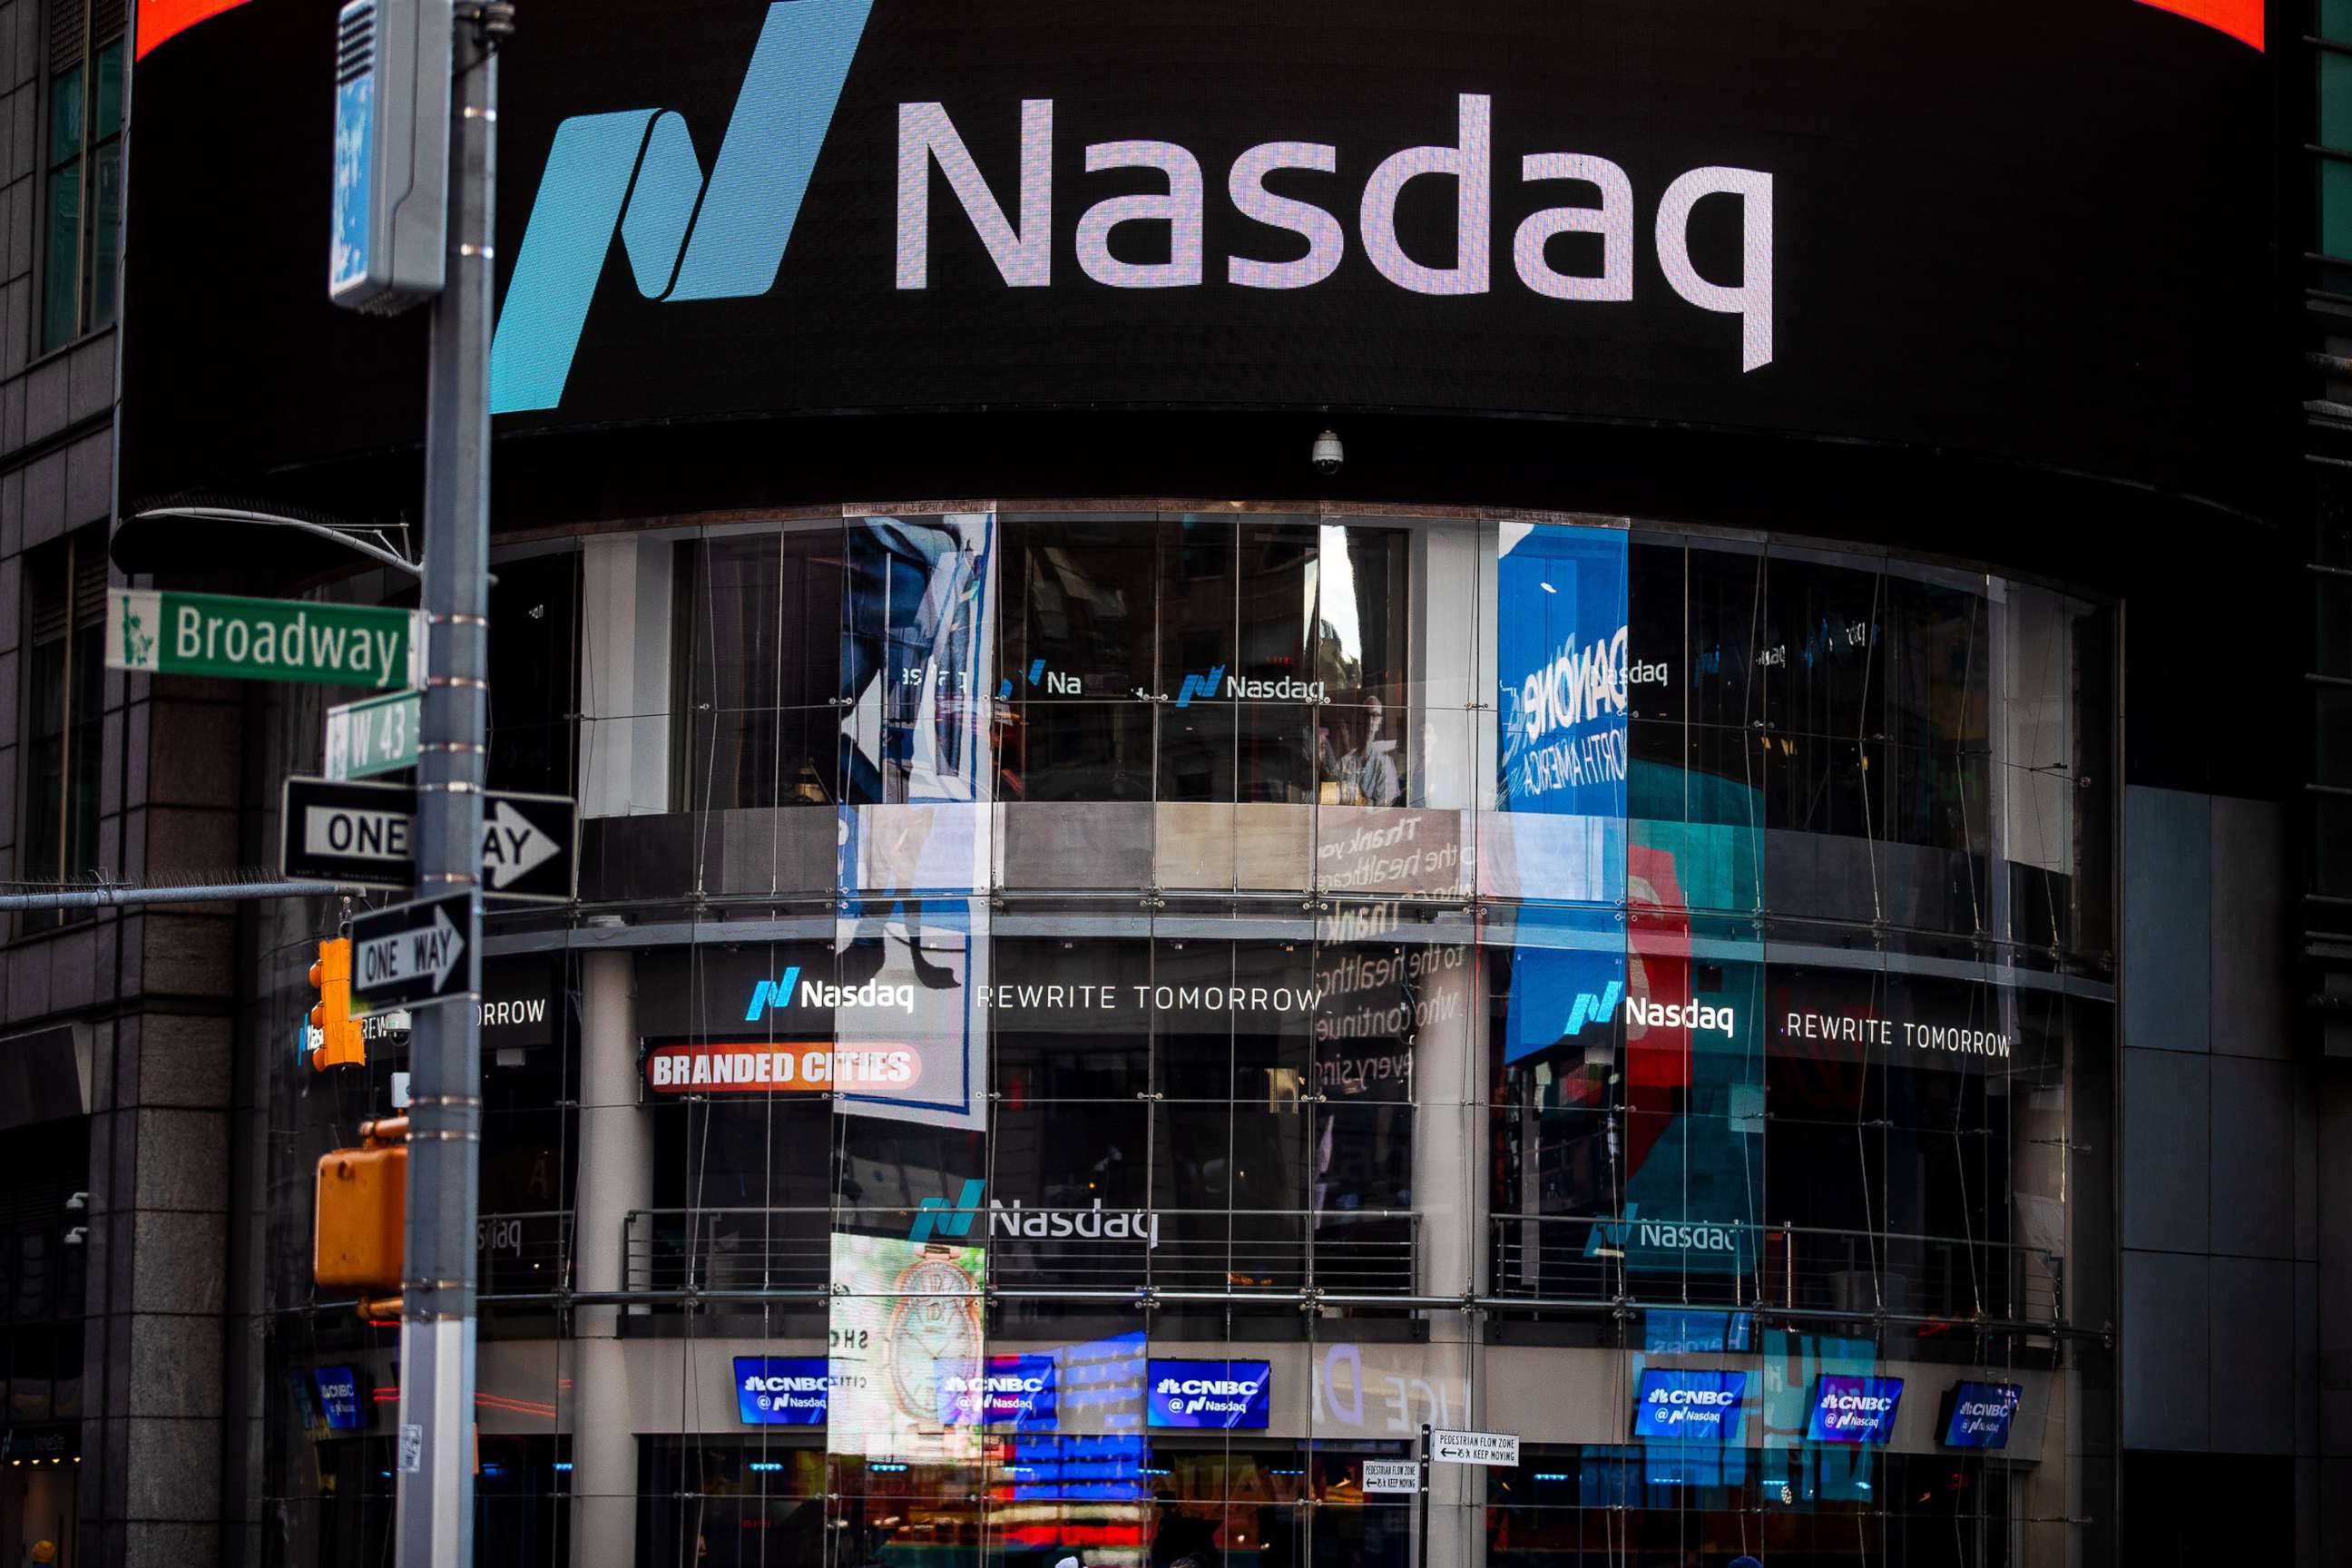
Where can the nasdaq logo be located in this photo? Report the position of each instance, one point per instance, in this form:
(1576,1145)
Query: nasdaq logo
(937,1217)
(1592,1008)
(1198,686)
(634,173)
(770,993)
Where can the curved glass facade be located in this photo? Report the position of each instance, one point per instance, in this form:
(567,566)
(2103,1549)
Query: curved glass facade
(1083,1032)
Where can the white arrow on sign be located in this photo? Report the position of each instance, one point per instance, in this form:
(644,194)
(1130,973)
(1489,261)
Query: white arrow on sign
(388,961)
(512,846)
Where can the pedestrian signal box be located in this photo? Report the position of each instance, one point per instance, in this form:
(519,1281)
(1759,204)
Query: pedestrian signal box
(362,1213)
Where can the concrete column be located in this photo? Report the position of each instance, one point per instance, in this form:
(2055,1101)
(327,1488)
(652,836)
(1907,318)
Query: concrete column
(1449,1189)
(625,675)
(616,1175)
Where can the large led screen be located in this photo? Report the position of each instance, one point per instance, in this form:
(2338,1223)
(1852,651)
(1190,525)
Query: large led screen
(1920,223)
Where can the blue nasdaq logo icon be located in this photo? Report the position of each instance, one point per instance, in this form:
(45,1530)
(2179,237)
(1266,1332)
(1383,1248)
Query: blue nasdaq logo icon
(685,238)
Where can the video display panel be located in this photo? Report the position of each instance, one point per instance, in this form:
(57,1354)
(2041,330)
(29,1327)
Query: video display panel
(1698,213)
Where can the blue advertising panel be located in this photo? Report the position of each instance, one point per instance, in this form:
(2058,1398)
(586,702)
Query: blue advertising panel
(1559,674)
(1854,1409)
(1231,1396)
(781,1391)
(1981,1413)
(1014,1391)
(1693,1406)
(339,1397)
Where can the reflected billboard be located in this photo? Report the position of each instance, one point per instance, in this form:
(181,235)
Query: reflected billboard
(906,1317)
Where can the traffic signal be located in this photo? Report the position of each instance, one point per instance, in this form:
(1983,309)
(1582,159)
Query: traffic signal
(341,1044)
(362,1215)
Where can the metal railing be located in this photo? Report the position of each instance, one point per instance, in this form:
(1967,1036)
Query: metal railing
(1568,1263)
(1792,1268)
(1091,1250)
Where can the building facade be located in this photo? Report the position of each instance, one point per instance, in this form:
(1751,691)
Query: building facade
(1674,893)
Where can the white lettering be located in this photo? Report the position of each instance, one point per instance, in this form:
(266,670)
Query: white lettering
(1326,241)
(1613,220)
(1750,299)
(1180,209)
(1023,257)
(1470,164)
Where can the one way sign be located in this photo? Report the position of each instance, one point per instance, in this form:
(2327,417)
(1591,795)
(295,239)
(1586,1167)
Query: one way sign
(412,954)
(364,833)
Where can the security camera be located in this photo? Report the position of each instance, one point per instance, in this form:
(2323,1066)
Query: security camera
(1328,453)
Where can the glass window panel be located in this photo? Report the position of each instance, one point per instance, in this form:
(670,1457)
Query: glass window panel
(1198,761)
(1279,566)
(67,106)
(1198,601)
(1078,752)
(1275,753)
(1078,606)
(105,178)
(107,116)
(61,264)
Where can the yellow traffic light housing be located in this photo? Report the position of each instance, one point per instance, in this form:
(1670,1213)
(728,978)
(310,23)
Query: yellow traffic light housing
(340,1040)
(361,1215)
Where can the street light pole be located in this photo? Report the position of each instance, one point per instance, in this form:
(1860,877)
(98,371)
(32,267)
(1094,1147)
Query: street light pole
(435,1510)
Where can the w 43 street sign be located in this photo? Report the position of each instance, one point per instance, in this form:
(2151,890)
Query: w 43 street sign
(264,639)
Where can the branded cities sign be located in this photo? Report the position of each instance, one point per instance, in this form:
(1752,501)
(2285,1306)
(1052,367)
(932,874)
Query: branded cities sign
(364,835)
(779,1066)
(166,633)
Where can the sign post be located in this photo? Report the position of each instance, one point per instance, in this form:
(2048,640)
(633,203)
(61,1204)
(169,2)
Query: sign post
(1421,1529)
(166,633)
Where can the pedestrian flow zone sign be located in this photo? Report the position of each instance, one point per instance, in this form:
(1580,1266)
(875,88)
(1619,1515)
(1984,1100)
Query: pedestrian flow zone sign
(1392,1475)
(412,954)
(1474,1447)
(264,639)
(365,834)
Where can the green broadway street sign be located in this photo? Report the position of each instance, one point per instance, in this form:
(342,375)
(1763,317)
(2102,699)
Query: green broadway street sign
(263,639)
(374,735)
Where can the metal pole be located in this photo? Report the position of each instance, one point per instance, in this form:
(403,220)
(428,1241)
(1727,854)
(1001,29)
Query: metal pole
(1421,1553)
(109,898)
(436,1451)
